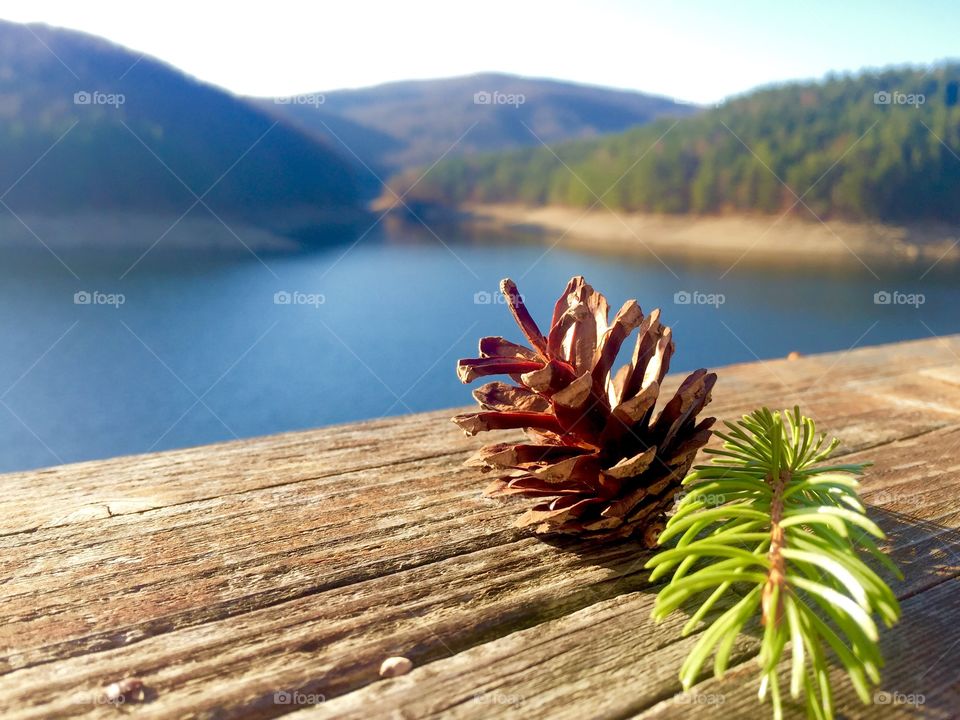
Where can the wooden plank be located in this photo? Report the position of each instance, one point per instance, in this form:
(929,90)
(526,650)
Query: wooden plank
(338,638)
(264,548)
(920,678)
(252,549)
(99,489)
(579,666)
(332,642)
(610,660)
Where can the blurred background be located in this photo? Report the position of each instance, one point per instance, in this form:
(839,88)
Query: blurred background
(227,221)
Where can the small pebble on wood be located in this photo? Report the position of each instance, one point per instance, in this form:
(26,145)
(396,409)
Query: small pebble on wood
(126,690)
(394,666)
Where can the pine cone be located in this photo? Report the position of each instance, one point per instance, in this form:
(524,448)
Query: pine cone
(597,463)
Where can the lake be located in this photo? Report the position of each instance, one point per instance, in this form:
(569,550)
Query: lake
(186,348)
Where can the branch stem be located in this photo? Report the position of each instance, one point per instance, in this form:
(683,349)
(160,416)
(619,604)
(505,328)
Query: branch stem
(772,598)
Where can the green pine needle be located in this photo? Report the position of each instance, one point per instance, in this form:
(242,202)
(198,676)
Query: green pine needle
(784,537)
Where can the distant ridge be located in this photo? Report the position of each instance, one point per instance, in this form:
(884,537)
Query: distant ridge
(404,124)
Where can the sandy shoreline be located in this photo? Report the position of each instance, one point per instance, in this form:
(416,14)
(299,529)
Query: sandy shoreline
(749,239)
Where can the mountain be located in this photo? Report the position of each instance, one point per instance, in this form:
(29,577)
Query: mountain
(405,124)
(879,145)
(88,126)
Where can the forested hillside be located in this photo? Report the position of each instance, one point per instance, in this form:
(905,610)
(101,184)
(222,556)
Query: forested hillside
(86,125)
(880,145)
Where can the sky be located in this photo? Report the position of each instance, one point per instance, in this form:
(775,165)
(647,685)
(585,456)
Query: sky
(692,51)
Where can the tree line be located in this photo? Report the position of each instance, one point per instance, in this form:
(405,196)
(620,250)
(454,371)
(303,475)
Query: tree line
(872,146)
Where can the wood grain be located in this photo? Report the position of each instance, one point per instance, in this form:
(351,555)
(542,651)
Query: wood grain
(607,646)
(224,575)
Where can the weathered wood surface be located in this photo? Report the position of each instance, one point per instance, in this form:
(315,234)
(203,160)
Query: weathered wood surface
(224,575)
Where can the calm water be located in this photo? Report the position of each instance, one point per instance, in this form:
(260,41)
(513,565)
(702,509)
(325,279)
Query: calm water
(199,351)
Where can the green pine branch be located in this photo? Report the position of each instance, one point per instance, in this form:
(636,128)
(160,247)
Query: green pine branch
(782,536)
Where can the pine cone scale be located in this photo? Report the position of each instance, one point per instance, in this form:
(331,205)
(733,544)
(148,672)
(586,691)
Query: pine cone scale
(549,378)
(473,423)
(631,467)
(630,413)
(523,317)
(493,346)
(500,396)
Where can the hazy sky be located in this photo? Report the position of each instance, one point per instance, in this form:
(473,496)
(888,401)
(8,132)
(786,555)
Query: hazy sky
(696,51)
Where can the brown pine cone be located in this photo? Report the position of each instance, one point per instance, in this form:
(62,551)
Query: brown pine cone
(598,463)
